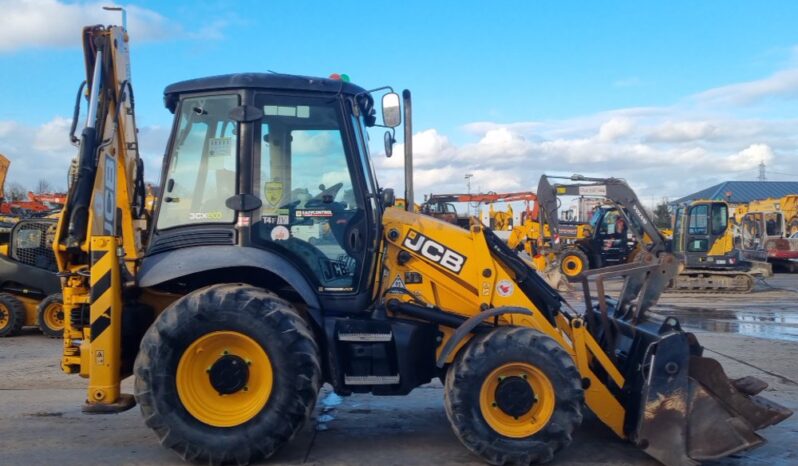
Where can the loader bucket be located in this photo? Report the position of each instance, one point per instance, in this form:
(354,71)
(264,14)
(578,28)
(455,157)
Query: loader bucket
(690,411)
(681,408)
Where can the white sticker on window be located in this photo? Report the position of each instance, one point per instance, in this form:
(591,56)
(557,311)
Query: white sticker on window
(280,233)
(220,147)
(300,111)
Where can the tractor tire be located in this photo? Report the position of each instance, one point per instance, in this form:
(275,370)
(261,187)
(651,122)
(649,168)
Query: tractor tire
(12,315)
(50,316)
(573,262)
(514,397)
(227,374)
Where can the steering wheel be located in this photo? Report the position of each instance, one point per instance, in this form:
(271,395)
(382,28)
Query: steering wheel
(324,198)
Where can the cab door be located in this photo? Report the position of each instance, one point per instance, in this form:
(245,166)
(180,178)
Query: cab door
(705,241)
(316,207)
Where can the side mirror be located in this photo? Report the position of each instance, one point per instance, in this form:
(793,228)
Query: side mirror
(389,140)
(391,110)
(388,197)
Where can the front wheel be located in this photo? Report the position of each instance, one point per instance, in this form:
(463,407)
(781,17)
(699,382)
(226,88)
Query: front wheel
(50,315)
(12,315)
(227,374)
(514,397)
(573,263)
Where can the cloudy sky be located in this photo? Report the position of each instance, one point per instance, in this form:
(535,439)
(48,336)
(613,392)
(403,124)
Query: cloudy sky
(673,96)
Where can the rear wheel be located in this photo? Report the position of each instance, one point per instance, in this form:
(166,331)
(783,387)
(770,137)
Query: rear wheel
(514,396)
(12,315)
(227,374)
(50,315)
(573,262)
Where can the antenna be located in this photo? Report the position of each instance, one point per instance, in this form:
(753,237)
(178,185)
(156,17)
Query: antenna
(762,171)
(124,14)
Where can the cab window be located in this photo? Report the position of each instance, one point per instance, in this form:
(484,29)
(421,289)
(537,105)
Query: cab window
(698,220)
(201,171)
(720,219)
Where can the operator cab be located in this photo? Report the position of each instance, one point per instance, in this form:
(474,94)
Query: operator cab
(700,235)
(611,237)
(268,170)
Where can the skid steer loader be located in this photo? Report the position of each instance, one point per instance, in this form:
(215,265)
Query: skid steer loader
(230,322)
(30,291)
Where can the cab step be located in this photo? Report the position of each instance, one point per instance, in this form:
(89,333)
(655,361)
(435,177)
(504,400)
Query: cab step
(371,379)
(365,337)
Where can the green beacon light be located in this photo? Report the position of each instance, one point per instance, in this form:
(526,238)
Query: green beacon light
(340,77)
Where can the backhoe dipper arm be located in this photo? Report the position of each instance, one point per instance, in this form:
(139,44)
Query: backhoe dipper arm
(98,239)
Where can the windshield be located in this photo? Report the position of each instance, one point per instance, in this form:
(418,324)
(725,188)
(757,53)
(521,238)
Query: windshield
(202,164)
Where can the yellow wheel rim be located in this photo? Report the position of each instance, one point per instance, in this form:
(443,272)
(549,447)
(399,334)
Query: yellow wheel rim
(53,316)
(4,316)
(197,373)
(572,266)
(522,425)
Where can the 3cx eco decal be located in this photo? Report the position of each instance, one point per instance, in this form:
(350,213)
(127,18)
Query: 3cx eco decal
(434,251)
(199,216)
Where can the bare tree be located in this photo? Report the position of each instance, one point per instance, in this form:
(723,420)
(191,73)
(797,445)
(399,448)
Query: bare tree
(15,192)
(43,186)
(662,215)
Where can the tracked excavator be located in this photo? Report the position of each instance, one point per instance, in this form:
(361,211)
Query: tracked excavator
(703,238)
(230,322)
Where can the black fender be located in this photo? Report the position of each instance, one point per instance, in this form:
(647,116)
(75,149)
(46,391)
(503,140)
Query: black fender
(169,265)
(469,325)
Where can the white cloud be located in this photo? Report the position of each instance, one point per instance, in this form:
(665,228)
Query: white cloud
(682,131)
(44,152)
(666,153)
(53,136)
(54,23)
(752,156)
(614,129)
(783,84)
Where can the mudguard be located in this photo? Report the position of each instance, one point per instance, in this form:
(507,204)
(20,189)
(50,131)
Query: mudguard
(165,266)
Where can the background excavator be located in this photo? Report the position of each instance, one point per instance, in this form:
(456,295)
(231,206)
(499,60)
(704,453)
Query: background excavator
(707,239)
(768,230)
(703,237)
(231,323)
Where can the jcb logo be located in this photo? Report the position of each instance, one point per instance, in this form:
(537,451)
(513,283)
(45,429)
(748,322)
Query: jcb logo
(434,251)
(109,196)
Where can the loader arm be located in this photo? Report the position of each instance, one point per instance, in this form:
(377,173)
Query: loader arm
(99,236)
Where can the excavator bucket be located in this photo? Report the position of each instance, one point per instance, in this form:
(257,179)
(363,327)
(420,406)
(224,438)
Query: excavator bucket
(681,407)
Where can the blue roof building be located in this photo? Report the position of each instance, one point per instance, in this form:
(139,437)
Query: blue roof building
(742,192)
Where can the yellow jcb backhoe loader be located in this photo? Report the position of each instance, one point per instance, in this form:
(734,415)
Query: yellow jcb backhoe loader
(230,322)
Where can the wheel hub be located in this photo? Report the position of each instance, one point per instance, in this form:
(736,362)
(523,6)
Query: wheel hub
(229,374)
(515,396)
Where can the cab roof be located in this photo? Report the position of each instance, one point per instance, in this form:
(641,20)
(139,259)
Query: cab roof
(276,81)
